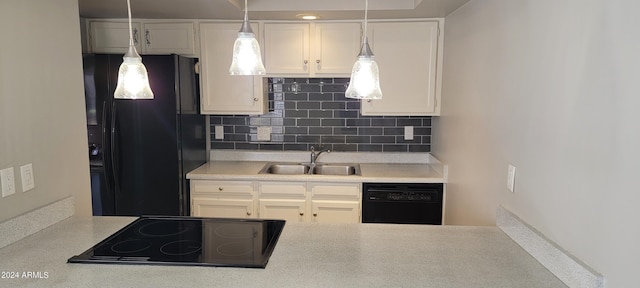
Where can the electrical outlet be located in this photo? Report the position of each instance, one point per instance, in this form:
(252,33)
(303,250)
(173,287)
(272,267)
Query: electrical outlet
(511,178)
(8,182)
(264,133)
(26,174)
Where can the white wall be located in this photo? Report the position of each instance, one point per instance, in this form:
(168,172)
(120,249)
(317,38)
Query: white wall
(42,118)
(553,87)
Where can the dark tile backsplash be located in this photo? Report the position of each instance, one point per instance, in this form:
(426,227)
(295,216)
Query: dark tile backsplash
(307,112)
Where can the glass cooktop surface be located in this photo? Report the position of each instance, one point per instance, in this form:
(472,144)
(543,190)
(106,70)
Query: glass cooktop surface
(188,241)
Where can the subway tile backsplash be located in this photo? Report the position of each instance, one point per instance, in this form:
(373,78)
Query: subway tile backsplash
(307,112)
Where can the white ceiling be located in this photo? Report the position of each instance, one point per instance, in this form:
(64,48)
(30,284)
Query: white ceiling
(267,9)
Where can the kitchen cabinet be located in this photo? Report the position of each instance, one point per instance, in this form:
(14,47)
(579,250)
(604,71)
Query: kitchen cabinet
(283,200)
(167,38)
(409,57)
(311,49)
(221,93)
(294,201)
(112,36)
(335,202)
(233,199)
(290,210)
(328,202)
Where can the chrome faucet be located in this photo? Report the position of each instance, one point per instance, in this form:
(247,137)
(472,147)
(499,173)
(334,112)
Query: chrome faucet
(315,154)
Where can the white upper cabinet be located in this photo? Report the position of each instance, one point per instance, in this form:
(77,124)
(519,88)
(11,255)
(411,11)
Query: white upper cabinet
(112,36)
(222,93)
(311,49)
(286,48)
(167,38)
(336,47)
(409,59)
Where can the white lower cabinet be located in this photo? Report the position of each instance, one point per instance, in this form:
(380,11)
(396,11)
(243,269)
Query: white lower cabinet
(325,211)
(327,202)
(299,201)
(335,202)
(233,199)
(292,210)
(233,208)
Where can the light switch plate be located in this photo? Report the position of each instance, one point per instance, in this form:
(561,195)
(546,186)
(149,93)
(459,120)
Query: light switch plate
(511,178)
(408,132)
(7,181)
(219,132)
(26,174)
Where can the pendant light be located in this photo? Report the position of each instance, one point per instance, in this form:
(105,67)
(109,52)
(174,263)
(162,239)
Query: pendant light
(246,51)
(133,82)
(365,79)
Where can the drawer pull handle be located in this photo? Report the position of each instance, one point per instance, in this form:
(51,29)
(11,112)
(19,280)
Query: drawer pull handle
(220,189)
(301,214)
(248,213)
(315,214)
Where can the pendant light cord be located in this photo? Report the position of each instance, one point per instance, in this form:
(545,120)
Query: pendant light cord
(366,9)
(130,31)
(245,11)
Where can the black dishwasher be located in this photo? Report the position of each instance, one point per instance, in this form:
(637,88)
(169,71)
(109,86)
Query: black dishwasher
(402,203)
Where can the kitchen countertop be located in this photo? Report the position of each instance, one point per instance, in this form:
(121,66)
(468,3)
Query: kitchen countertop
(370,172)
(307,254)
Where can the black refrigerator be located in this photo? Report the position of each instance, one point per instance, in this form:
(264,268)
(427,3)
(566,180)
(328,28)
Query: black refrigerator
(141,150)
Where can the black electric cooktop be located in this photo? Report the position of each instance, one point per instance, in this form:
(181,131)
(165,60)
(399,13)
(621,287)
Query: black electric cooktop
(188,241)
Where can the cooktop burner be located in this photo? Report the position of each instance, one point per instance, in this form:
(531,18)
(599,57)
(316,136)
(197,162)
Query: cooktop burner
(188,241)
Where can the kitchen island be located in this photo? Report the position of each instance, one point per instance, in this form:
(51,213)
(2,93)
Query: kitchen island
(307,255)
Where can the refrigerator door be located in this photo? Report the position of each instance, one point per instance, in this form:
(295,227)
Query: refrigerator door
(98,82)
(191,130)
(145,145)
(148,146)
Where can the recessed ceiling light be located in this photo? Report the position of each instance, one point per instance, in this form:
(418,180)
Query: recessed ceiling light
(307,16)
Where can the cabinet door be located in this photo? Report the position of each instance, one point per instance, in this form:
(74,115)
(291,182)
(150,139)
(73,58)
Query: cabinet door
(167,38)
(326,211)
(231,208)
(290,210)
(223,93)
(286,48)
(336,47)
(113,37)
(407,56)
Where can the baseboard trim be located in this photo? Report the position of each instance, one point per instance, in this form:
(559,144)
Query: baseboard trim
(26,224)
(563,265)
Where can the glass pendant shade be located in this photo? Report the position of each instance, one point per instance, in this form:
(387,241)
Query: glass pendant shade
(365,79)
(246,56)
(247,59)
(133,82)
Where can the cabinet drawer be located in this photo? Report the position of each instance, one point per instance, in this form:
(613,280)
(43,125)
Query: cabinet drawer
(335,190)
(282,189)
(238,188)
(236,208)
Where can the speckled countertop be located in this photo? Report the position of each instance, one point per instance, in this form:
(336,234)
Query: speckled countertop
(374,167)
(307,255)
(370,172)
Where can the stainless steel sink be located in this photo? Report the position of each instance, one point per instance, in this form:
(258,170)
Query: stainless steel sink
(310,169)
(286,168)
(337,169)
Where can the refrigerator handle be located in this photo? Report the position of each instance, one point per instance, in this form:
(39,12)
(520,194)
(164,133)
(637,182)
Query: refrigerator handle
(105,147)
(114,163)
